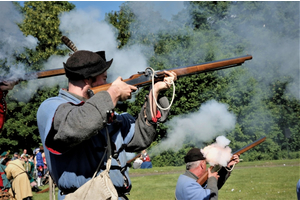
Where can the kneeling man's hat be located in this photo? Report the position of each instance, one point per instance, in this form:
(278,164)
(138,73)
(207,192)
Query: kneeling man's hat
(193,155)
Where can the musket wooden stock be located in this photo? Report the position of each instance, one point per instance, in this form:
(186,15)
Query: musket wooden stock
(143,78)
(204,178)
(50,73)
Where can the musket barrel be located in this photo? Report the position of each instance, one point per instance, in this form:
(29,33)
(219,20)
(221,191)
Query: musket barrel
(211,66)
(250,146)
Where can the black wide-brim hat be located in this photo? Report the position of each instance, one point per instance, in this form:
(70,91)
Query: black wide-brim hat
(194,155)
(86,64)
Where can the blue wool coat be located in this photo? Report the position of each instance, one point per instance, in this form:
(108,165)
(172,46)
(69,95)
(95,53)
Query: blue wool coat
(74,137)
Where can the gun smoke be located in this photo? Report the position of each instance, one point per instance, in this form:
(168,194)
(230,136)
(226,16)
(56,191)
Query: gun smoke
(212,119)
(13,41)
(275,58)
(265,39)
(218,153)
(88,33)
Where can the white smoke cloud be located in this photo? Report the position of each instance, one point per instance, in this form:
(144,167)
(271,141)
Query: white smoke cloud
(157,16)
(275,51)
(211,120)
(53,62)
(167,9)
(83,28)
(12,40)
(218,153)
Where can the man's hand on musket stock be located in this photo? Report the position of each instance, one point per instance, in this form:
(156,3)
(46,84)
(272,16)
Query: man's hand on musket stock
(120,91)
(8,85)
(214,174)
(234,160)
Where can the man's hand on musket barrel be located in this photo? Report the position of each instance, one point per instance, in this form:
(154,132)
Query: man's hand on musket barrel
(166,83)
(8,85)
(234,160)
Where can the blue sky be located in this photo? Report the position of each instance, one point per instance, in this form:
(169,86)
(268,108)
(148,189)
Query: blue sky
(103,6)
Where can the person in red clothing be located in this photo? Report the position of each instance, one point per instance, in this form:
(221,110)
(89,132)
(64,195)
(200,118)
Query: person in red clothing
(4,87)
(1,180)
(146,160)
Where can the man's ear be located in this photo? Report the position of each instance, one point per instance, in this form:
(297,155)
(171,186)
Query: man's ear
(203,164)
(87,81)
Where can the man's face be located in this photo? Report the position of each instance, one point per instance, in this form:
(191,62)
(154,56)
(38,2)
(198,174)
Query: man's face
(100,80)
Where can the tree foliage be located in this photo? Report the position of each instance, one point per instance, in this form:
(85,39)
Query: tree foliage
(41,21)
(121,21)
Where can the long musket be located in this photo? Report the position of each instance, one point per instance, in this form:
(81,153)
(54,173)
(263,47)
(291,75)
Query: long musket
(145,78)
(204,178)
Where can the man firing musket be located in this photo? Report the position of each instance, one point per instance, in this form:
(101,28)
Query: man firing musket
(138,80)
(141,78)
(76,126)
(191,185)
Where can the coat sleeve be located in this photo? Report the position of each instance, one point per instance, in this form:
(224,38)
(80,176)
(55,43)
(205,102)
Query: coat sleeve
(212,185)
(224,175)
(8,172)
(145,126)
(73,124)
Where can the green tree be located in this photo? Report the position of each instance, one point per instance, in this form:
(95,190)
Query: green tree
(41,21)
(121,20)
(208,14)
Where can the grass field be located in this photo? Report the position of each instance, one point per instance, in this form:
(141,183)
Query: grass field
(263,180)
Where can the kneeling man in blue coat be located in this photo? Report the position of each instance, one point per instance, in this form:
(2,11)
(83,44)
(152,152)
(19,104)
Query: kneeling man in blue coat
(187,187)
